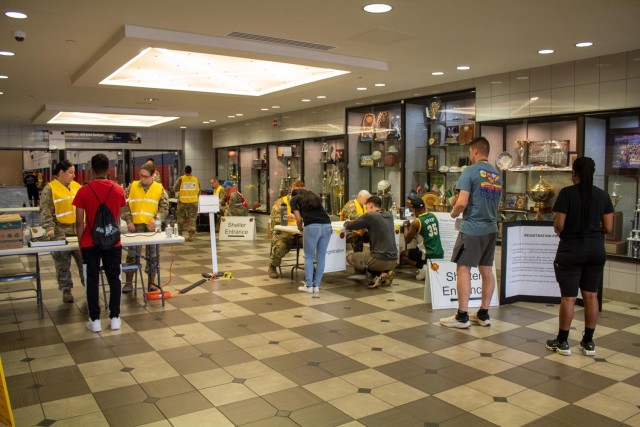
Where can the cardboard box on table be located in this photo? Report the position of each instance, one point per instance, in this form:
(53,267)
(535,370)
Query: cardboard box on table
(10,231)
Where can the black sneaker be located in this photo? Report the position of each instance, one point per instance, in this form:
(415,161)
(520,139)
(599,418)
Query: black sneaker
(588,348)
(559,347)
(480,319)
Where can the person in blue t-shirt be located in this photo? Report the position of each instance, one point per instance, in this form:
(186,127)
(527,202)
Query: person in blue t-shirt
(480,187)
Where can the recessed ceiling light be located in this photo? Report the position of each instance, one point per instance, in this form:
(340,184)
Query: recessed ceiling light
(183,127)
(3,77)
(496,82)
(546,51)
(232,117)
(306,100)
(264,109)
(380,85)
(152,99)
(361,88)
(6,53)
(1,93)
(584,44)
(15,15)
(535,98)
(212,121)
(377,8)
(522,78)
(239,114)
(107,119)
(206,123)
(201,72)
(463,67)
(438,73)
(275,106)
(321,97)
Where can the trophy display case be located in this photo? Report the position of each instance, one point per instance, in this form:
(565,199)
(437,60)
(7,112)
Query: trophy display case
(254,177)
(228,165)
(325,171)
(439,130)
(376,152)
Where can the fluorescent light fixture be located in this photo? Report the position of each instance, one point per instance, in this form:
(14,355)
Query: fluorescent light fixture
(1,93)
(275,107)
(6,53)
(545,51)
(361,88)
(438,73)
(584,44)
(232,117)
(206,123)
(380,85)
(239,114)
(183,127)
(463,68)
(377,8)
(200,72)
(107,119)
(264,109)
(3,77)
(522,78)
(15,15)
(321,97)
(535,98)
(306,100)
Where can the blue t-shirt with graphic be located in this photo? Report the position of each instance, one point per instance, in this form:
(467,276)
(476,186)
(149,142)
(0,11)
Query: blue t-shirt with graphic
(484,184)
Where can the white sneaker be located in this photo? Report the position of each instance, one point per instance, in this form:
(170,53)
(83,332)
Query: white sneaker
(94,325)
(422,273)
(305,288)
(316,289)
(115,323)
(453,322)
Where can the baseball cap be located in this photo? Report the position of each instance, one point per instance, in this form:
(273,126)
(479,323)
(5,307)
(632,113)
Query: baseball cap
(416,202)
(224,184)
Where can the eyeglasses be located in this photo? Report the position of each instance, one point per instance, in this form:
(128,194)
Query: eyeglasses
(144,176)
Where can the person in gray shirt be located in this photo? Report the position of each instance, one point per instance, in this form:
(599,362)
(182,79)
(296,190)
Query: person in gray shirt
(383,255)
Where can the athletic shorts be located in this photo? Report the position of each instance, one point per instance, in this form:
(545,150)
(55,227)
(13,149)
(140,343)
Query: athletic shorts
(366,261)
(415,255)
(579,269)
(473,251)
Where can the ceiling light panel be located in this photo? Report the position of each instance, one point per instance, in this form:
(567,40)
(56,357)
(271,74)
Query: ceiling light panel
(200,72)
(102,119)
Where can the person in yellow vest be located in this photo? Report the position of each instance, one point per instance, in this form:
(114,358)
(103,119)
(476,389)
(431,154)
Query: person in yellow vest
(58,218)
(281,242)
(217,191)
(351,211)
(147,201)
(187,189)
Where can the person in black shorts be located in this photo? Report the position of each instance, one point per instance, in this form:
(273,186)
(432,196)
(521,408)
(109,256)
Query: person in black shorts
(584,214)
(31,182)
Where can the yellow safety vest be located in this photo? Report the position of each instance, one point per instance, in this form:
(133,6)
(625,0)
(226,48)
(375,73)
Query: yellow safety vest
(286,201)
(63,200)
(189,189)
(144,205)
(359,210)
(217,190)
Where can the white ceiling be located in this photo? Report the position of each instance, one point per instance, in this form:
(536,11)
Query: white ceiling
(71,45)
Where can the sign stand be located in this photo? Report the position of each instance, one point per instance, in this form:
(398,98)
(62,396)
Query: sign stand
(211,205)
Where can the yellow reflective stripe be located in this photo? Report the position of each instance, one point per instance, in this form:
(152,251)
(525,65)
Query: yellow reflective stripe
(62,199)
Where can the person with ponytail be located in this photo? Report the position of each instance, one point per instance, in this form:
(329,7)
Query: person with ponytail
(583,215)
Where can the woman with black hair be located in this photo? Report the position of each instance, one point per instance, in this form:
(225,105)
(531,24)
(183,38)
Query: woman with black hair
(583,215)
(307,208)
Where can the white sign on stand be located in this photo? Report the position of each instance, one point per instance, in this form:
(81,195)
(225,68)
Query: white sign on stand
(336,259)
(443,286)
(211,205)
(237,228)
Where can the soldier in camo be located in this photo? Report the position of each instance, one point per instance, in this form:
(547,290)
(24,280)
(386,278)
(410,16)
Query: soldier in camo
(187,189)
(156,176)
(146,181)
(234,203)
(352,211)
(57,226)
(281,242)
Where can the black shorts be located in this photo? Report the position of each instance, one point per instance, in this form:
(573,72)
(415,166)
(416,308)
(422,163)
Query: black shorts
(579,269)
(415,255)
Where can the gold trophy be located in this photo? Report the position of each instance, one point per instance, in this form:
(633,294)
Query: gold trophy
(615,194)
(520,151)
(433,108)
(541,193)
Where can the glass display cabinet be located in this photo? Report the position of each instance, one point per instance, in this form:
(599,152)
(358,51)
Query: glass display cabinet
(324,171)
(254,167)
(285,166)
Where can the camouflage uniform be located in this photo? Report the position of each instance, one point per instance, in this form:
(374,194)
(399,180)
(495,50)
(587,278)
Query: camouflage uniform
(157,178)
(281,242)
(61,260)
(186,215)
(357,238)
(151,252)
(234,206)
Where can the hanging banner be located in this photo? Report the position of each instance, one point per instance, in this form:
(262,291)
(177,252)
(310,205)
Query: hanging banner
(91,137)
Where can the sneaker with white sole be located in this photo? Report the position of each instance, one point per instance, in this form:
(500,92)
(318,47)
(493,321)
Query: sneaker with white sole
(377,281)
(305,288)
(386,278)
(316,289)
(422,273)
(94,325)
(115,323)
(482,320)
(560,347)
(588,348)
(454,322)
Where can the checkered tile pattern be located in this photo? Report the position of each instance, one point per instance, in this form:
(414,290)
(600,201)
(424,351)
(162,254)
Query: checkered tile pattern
(254,350)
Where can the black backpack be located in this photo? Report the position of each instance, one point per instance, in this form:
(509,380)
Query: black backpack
(106,231)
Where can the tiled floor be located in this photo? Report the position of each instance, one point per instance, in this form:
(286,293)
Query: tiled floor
(254,351)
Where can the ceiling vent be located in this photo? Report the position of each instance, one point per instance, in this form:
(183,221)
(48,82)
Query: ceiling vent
(277,40)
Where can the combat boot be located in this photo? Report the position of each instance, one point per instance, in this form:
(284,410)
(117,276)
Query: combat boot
(273,272)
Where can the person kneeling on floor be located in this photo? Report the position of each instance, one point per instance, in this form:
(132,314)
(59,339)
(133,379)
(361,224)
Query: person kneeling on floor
(426,230)
(383,256)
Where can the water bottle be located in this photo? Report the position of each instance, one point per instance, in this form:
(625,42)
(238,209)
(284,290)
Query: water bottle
(169,231)
(158,225)
(175,229)
(283,214)
(394,210)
